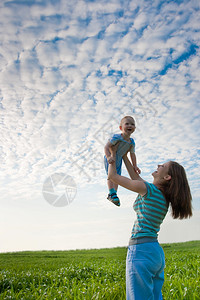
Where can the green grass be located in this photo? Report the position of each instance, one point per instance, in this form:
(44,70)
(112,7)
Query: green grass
(93,274)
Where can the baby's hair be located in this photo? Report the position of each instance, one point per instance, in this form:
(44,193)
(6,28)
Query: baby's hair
(126,117)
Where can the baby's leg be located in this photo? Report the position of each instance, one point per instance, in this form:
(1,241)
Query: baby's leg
(112,196)
(112,185)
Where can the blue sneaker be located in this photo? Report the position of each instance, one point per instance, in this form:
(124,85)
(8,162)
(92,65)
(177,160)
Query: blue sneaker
(114,199)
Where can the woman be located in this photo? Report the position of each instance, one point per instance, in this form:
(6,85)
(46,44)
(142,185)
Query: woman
(145,258)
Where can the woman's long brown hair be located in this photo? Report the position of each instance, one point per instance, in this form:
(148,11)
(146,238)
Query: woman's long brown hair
(177,192)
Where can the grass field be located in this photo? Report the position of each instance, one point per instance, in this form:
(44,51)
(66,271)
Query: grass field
(93,274)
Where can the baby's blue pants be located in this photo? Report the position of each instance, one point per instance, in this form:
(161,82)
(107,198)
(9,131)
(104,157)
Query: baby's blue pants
(118,165)
(144,271)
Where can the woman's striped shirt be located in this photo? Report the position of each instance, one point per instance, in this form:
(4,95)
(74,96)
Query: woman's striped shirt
(151,209)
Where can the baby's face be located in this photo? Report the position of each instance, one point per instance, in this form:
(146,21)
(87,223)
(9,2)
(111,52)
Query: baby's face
(128,126)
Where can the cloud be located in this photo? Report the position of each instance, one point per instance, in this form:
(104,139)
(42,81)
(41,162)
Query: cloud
(69,73)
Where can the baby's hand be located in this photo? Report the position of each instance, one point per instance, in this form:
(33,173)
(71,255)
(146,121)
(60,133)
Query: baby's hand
(111,159)
(137,170)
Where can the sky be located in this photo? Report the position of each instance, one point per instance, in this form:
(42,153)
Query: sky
(69,71)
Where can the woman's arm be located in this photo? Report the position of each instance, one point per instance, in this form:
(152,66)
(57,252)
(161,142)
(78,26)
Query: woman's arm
(109,152)
(137,186)
(134,162)
(130,169)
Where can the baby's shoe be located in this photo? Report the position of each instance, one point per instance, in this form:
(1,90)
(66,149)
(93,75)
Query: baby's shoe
(114,199)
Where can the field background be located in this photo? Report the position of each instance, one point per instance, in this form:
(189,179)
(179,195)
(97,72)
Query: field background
(93,274)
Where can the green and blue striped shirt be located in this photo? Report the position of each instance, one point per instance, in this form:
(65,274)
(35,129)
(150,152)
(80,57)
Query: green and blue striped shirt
(151,209)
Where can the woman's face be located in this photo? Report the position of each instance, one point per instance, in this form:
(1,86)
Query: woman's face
(162,171)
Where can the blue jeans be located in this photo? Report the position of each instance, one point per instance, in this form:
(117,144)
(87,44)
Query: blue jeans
(144,271)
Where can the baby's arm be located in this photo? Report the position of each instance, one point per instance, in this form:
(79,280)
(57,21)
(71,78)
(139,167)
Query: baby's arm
(134,162)
(109,153)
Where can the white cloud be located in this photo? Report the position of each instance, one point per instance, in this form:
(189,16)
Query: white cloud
(70,72)
(141,20)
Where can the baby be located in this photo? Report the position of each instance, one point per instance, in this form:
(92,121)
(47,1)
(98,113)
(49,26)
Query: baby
(126,144)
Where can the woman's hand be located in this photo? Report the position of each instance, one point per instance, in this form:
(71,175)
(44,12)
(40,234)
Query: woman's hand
(131,170)
(110,159)
(137,170)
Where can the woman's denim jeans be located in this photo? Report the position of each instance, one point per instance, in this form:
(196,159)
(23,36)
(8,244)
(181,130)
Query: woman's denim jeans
(144,271)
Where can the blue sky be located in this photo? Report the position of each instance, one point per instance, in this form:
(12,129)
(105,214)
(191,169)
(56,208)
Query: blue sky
(69,71)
